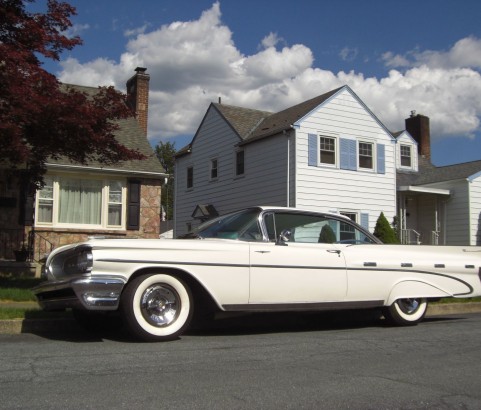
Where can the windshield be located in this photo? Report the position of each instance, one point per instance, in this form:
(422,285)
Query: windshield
(242,226)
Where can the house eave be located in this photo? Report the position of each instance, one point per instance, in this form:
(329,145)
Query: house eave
(423,190)
(89,169)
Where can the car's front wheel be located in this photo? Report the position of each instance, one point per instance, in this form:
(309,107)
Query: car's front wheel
(405,312)
(157,307)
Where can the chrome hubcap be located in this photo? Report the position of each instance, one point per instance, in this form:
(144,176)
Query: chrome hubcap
(160,305)
(409,306)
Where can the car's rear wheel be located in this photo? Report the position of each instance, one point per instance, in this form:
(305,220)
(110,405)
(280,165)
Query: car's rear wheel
(157,307)
(405,312)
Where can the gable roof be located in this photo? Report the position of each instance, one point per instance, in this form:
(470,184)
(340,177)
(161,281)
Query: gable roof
(252,125)
(129,134)
(283,120)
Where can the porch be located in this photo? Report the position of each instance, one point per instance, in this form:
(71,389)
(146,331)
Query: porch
(422,215)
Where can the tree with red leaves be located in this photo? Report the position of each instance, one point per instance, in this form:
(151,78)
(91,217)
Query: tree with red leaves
(39,117)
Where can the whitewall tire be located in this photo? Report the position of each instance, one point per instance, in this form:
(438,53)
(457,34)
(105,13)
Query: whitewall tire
(405,312)
(157,307)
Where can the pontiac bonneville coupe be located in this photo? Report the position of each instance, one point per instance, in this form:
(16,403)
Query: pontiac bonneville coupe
(253,260)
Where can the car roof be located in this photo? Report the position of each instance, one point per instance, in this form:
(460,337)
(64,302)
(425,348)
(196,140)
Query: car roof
(290,209)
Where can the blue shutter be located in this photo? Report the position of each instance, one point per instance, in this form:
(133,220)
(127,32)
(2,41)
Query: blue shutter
(365,220)
(312,150)
(381,159)
(348,153)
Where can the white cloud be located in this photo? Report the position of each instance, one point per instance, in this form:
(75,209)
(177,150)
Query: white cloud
(465,53)
(76,30)
(348,54)
(195,62)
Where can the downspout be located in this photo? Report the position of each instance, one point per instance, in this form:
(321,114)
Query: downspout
(288,168)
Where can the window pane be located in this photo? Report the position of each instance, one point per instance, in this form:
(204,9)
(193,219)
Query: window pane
(213,169)
(190,177)
(405,155)
(365,155)
(45,202)
(115,203)
(80,201)
(45,211)
(240,163)
(115,215)
(328,150)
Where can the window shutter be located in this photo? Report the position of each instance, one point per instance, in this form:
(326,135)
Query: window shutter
(365,220)
(312,149)
(348,154)
(133,205)
(381,159)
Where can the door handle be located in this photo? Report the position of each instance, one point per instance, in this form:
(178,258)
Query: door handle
(334,251)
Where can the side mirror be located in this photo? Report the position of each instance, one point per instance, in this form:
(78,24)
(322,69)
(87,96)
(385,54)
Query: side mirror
(284,237)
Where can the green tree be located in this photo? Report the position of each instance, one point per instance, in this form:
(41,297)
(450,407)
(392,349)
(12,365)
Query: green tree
(384,231)
(165,152)
(40,118)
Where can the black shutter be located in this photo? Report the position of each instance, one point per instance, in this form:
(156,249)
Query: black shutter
(26,202)
(133,205)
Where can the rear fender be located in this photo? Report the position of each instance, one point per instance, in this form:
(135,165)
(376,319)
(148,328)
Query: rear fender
(415,289)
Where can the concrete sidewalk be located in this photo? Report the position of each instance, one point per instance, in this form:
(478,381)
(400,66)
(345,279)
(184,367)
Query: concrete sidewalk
(67,323)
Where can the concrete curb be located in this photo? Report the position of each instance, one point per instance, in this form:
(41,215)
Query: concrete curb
(18,326)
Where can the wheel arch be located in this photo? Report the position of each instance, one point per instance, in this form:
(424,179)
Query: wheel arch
(415,289)
(200,293)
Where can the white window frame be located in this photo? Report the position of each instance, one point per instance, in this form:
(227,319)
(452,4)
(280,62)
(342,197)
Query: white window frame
(56,180)
(373,155)
(411,160)
(336,151)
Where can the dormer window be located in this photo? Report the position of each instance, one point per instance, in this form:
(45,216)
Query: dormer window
(406,156)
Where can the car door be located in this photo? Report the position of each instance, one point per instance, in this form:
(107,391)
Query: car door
(302,268)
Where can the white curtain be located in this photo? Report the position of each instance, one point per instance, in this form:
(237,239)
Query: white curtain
(80,201)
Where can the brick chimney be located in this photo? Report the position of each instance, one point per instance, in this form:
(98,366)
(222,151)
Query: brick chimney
(418,126)
(138,96)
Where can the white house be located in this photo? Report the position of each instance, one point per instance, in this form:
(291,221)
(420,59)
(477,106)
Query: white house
(329,153)
(437,205)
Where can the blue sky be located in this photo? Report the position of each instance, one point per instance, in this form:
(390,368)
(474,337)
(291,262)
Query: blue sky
(397,56)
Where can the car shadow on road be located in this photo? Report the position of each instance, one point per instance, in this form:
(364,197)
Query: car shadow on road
(233,324)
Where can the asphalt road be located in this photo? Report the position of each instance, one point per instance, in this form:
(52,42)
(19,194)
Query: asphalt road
(296,361)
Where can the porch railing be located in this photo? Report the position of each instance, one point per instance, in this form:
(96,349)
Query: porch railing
(40,246)
(15,244)
(410,237)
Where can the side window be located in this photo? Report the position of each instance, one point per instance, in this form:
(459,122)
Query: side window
(214,167)
(239,163)
(328,150)
(405,156)
(190,177)
(306,228)
(366,155)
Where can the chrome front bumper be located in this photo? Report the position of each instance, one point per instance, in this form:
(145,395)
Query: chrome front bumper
(91,293)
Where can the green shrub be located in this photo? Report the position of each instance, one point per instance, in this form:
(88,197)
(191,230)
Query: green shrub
(384,231)
(327,235)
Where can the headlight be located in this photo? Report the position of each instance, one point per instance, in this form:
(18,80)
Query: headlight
(85,261)
(79,262)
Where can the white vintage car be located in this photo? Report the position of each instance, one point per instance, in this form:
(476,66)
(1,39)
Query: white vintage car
(257,259)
